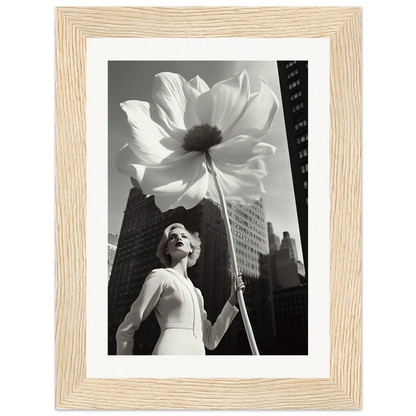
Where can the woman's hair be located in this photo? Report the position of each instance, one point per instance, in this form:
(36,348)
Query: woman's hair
(193,238)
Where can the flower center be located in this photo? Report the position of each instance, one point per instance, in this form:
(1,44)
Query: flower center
(201,138)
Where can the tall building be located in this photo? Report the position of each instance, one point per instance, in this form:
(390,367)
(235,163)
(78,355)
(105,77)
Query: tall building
(274,240)
(141,231)
(291,316)
(112,248)
(248,225)
(290,244)
(293,76)
(284,267)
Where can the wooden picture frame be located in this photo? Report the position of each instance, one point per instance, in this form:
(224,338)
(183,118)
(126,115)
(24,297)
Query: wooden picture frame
(342,26)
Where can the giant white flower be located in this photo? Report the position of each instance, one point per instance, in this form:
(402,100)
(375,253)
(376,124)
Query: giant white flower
(168,148)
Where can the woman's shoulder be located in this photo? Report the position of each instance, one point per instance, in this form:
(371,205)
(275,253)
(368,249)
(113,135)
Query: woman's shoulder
(160,274)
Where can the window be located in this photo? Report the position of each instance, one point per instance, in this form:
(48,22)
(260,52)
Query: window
(293,73)
(305,184)
(294,84)
(301,124)
(295,95)
(304,168)
(297,107)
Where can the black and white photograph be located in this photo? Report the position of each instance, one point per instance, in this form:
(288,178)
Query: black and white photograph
(208,208)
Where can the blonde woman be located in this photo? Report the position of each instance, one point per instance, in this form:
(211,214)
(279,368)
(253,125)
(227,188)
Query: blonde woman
(179,306)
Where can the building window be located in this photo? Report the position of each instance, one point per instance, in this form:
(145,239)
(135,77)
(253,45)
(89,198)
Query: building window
(292,74)
(289,64)
(301,124)
(304,168)
(303,153)
(305,184)
(297,107)
(294,84)
(295,95)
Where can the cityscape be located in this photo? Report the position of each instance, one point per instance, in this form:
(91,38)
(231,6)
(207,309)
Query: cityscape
(270,260)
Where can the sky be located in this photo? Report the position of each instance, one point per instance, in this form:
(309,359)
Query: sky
(133,80)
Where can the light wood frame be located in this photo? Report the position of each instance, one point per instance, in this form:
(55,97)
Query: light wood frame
(343,389)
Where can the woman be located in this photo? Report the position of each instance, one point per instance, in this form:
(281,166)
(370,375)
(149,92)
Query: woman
(179,306)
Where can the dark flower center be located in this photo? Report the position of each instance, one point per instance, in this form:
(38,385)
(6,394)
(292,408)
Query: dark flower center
(201,138)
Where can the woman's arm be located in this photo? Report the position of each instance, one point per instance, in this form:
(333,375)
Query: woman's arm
(214,333)
(139,311)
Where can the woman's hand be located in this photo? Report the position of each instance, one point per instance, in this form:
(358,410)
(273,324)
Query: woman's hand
(236,284)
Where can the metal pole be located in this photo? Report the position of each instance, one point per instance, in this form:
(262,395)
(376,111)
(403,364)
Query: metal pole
(240,297)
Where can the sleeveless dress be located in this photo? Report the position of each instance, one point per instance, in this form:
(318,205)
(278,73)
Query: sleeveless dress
(179,308)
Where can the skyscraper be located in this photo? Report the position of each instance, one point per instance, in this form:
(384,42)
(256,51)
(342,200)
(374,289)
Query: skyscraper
(290,244)
(291,315)
(293,76)
(112,248)
(274,240)
(248,225)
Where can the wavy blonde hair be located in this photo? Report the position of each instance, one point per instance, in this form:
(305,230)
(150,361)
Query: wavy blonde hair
(193,238)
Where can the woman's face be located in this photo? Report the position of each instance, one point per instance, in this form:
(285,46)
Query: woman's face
(178,245)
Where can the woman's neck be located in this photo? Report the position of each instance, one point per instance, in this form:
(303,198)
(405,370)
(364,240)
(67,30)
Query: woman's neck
(180,267)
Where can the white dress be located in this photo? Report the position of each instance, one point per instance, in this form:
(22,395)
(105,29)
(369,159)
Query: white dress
(179,308)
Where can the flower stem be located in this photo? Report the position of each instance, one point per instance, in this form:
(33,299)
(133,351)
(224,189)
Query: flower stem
(240,297)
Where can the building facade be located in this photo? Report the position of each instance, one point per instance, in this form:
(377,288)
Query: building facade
(293,77)
(248,225)
(274,240)
(291,315)
(290,297)
(112,248)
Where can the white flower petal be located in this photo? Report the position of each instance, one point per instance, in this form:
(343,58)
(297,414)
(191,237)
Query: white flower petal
(258,117)
(195,193)
(258,168)
(177,181)
(199,84)
(146,138)
(240,188)
(200,111)
(223,104)
(127,163)
(230,99)
(171,93)
(240,151)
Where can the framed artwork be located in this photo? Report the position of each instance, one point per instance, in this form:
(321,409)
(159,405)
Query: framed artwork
(99,51)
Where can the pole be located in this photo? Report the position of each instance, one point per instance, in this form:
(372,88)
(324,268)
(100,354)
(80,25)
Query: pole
(241,303)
